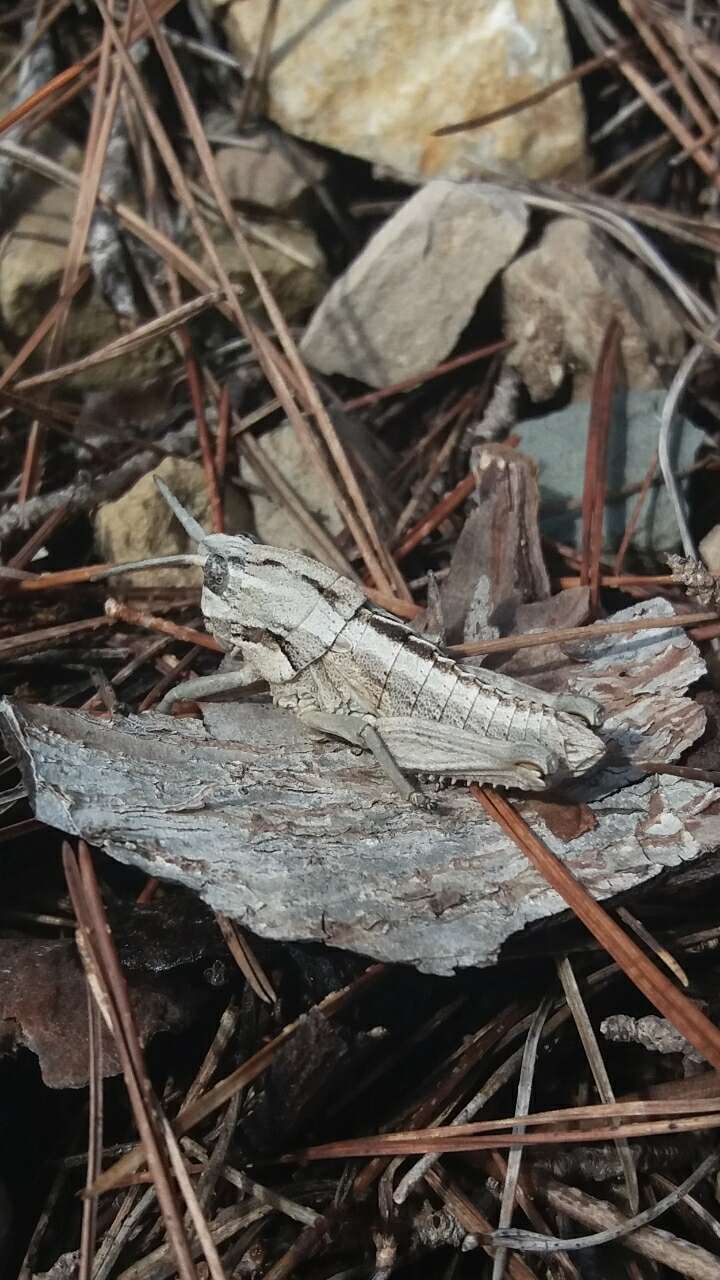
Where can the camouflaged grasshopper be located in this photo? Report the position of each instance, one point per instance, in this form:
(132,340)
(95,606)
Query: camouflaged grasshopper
(351,671)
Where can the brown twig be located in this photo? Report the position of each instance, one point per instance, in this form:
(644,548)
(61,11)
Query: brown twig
(194,378)
(440,512)
(110,991)
(119,612)
(244,1075)
(595,486)
(689,1020)
(427,375)
(566,635)
(36,641)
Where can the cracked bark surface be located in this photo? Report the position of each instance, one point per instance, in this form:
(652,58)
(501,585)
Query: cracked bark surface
(299,838)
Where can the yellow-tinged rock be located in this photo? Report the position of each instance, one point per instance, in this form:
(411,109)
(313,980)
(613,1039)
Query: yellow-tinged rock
(32,259)
(140,525)
(376,78)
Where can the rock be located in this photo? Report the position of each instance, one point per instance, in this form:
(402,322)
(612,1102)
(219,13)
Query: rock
(272,521)
(710,549)
(402,304)
(140,524)
(293,264)
(32,259)
(558,300)
(284,450)
(376,78)
(266,173)
(557,443)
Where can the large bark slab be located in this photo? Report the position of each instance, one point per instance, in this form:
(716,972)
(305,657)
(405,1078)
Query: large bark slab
(299,838)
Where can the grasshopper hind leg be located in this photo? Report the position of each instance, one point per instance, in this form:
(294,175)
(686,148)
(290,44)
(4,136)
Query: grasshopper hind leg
(435,749)
(576,704)
(364,734)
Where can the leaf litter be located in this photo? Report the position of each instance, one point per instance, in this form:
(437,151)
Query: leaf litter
(294,1020)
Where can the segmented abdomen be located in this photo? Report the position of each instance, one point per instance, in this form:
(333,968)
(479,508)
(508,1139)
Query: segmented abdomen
(382,667)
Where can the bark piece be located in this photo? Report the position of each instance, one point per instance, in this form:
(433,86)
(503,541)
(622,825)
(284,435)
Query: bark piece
(653,1033)
(43,1007)
(299,838)
(497,563)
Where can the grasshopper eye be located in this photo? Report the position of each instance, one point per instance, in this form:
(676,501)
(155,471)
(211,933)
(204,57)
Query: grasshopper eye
(216,574)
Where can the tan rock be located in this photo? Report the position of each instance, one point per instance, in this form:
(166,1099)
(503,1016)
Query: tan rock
(710,549)
(402,304)
(140,524)
(376,78)
(293,264)
(558,300)
(267,174)
(272,522)
(286,454)
(32,259)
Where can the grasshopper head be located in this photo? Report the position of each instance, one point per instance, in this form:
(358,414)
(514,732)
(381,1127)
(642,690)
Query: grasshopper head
(225,559)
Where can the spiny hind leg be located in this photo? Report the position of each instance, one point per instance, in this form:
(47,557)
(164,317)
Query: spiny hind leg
(429,747)
(360,732)
(576,704)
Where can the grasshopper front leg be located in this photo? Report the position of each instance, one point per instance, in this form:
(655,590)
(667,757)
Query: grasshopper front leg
(206,686)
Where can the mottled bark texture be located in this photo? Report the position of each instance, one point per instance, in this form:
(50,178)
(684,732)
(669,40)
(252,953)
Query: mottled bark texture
(299,838)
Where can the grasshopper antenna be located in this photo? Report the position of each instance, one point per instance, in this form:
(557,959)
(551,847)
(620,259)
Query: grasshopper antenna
(187,520)
(191,526)
(155,562)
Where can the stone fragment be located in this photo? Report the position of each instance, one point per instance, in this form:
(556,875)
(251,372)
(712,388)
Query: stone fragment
(266,173)
(272,520)
(401,305)
(377,78)
(32,259)
(557,443)
(289,257)
(140,524)
(558,300)
(710,549)
(286,455)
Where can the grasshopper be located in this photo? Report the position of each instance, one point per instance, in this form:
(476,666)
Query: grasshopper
(351,671)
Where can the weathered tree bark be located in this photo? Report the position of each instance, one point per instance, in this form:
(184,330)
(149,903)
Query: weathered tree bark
(299,838)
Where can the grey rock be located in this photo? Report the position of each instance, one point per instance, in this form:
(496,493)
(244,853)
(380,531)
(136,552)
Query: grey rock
(558,300)
(401,305)
(557,443)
